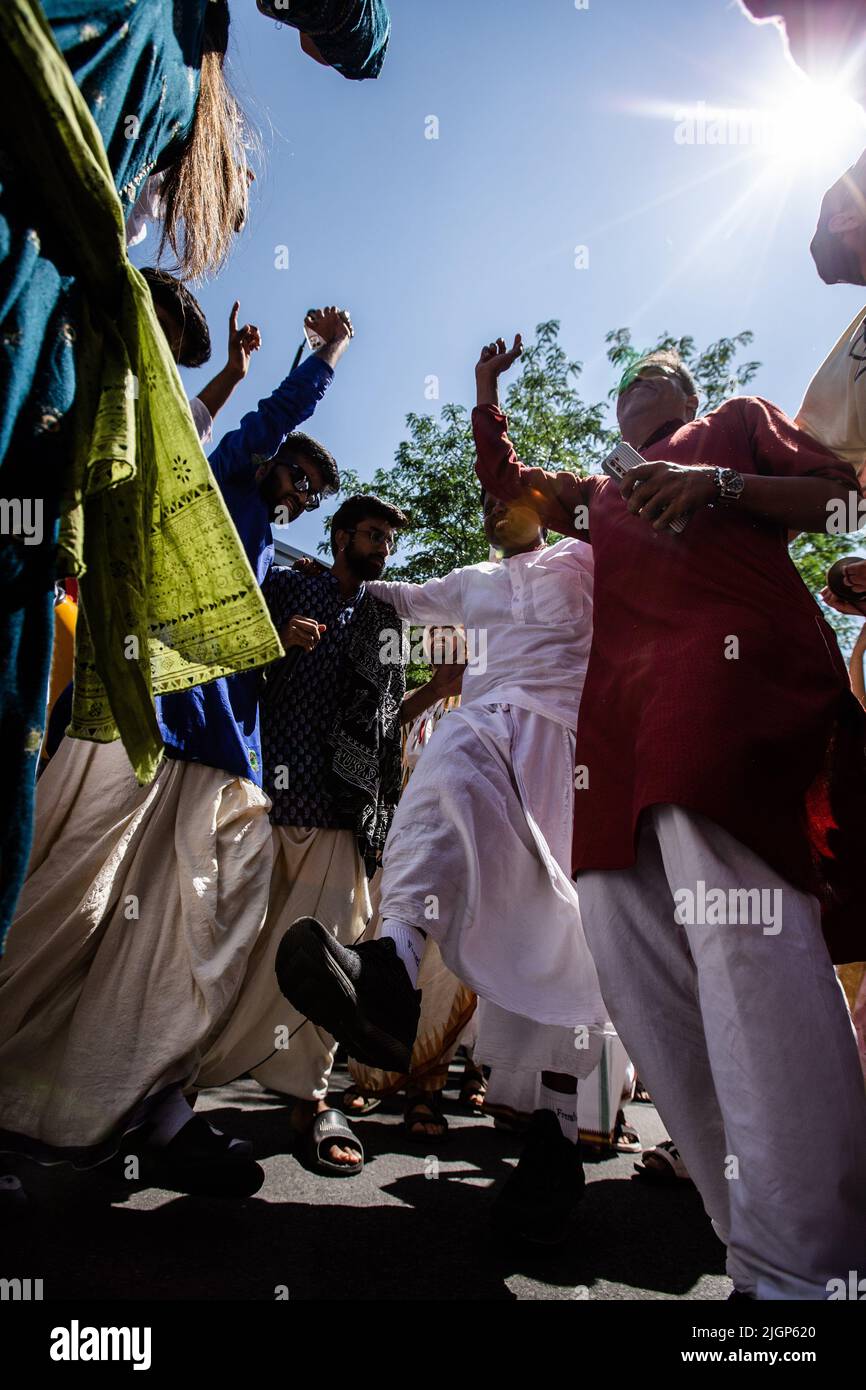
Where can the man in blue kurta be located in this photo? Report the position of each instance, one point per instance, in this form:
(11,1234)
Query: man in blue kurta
(266,472)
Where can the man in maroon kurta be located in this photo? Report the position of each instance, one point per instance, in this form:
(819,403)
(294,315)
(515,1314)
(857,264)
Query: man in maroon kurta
(719,758)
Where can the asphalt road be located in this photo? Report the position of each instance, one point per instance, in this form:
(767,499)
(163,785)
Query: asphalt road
(406,1228)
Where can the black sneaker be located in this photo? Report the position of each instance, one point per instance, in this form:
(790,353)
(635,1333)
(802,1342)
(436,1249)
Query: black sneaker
(540,1199)
(361,995)
(203,1162)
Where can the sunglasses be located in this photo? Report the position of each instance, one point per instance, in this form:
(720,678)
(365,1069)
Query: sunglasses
(635,373)
(301,484)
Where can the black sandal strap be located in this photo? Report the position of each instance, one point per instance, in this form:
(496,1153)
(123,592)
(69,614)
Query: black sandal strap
(425,1100)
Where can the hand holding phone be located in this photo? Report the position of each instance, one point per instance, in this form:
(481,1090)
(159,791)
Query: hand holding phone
(620,461)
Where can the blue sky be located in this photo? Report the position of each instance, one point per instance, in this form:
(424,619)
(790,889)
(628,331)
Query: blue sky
(556,130)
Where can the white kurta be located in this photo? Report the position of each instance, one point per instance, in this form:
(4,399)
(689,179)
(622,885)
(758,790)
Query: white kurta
(834,406)
(478,852)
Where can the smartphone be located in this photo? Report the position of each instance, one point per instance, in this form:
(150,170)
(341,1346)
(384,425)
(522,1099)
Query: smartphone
(314,342)
(621,461)
(313,339)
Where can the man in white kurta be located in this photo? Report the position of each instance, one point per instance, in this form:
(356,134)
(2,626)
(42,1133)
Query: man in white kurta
(477,856)
(478,853)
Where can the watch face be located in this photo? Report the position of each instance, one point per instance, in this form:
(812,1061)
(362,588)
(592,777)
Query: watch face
(732,482)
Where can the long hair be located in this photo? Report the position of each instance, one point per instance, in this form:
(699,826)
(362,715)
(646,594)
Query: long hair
(205,191)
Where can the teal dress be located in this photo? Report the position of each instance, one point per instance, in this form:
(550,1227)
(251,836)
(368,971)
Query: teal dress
(138,63)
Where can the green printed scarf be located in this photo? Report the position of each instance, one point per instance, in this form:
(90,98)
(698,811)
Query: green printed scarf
(168,598)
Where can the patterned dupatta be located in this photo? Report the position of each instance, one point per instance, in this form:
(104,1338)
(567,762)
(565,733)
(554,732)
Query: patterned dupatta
(168,598)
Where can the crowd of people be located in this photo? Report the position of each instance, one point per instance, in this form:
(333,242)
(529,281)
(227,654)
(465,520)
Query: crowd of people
(614,842)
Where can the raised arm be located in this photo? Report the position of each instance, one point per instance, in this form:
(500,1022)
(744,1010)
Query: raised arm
(560,499)
(262,431)
(243,342)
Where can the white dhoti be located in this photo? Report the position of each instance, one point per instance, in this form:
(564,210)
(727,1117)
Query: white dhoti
(132,936)
(743,1038)
(316,873)
(477,858)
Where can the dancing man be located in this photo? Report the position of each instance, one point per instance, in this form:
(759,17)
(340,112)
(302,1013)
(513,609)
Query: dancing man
(720,760)
(479,858)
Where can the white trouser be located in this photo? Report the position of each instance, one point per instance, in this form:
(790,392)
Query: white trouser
(743,1038)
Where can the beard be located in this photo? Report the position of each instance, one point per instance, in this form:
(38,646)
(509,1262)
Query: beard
(835,262)
(364,566)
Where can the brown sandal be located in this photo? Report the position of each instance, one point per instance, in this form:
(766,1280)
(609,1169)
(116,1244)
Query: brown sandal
(425,1108)
(473,1091)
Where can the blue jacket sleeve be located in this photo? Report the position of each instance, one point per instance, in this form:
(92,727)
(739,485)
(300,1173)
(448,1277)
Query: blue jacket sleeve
(262,431)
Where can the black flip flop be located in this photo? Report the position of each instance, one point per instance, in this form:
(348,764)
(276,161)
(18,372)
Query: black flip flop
(330,1127)
(323,980)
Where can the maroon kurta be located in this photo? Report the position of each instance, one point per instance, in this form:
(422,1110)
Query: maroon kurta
(714,683)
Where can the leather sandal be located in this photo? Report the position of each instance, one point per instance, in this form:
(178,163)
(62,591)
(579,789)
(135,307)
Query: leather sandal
(425,1108)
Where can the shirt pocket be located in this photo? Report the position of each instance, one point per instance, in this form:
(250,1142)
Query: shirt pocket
(554,597)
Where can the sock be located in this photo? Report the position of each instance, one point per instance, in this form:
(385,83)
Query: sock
(563,1106)
(409,942)
(169,1118)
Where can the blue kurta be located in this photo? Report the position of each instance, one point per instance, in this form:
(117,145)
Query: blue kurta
(218,723)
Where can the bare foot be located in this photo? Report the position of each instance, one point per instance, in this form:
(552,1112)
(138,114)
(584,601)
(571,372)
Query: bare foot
(352,1101)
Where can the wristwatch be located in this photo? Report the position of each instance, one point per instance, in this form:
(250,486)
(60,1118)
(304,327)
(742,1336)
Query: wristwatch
(729,483)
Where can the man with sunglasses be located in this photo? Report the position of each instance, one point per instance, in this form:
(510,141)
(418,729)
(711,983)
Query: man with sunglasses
(722,788)
(269,473)
(331,716)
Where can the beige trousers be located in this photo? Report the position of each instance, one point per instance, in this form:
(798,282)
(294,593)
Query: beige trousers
(131,941)
(316,873)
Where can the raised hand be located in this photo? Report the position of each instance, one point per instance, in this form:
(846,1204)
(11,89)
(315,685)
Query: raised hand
(331,324)
(243,342)
(495,359)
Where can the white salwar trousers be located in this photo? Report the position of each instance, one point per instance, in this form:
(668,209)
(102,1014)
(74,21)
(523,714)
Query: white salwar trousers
(477,857)
(742,1035)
